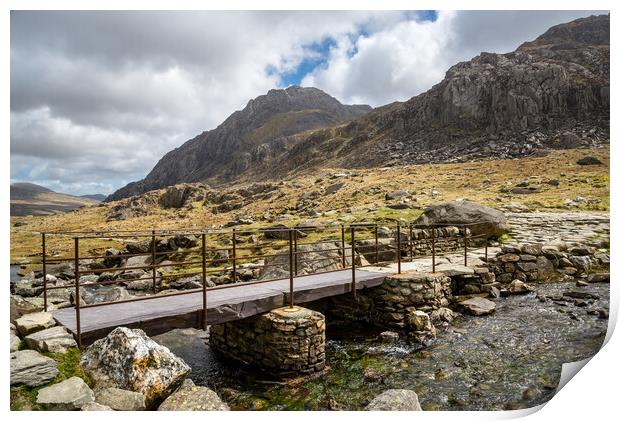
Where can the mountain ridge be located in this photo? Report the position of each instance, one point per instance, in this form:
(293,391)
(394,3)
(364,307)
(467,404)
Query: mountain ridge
(550,93)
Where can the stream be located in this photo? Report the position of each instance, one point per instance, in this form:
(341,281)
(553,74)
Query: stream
(509,360)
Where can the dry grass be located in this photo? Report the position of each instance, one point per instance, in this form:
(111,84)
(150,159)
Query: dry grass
(477,181)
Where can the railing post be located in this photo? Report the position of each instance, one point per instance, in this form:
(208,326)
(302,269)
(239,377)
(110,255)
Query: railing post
(78,328)
(398,244)
(465,242)
(234,254)
(290,268)
(295,250)
(410,242)
(204,282)
(43,252)
(344,254)
(153,257)
(376,244)
(353,287)
(486,249)
(433,246)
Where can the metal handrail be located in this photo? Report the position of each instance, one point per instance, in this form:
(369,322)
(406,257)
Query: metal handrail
(403,239)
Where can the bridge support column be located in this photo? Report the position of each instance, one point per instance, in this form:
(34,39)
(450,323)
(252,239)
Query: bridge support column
(282,342)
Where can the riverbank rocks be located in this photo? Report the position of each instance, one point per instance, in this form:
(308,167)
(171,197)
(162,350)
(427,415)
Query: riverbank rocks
(283,342)
(14,342)
(190,397)
(478,306)
(68,395)
(489,222)
(94,406)
(120,399)
(31,368)
(33,322)
(395,400)
(517,287)
(545,262)
(128,359)
(54,339)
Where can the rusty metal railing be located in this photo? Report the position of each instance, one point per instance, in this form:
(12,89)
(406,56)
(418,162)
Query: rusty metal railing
(284,246)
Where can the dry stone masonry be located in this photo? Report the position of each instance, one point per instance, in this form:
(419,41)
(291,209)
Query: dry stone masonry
(281,342)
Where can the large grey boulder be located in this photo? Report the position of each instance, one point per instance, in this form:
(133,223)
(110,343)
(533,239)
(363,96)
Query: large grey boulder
(395,400)
(31,368)
(120,399)
(489,221)
(190,397)
(128,359)
(33,322)
(68,395)
(478,306)
(54,339)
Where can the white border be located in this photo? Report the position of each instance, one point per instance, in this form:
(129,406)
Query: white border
(590,395)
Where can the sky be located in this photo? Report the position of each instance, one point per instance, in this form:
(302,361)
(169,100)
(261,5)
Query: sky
(97,98)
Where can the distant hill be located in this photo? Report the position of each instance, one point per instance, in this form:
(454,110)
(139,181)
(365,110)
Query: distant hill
(32,199)
(98,197)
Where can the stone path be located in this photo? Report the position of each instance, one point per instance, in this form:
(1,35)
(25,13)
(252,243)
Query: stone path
(570,227)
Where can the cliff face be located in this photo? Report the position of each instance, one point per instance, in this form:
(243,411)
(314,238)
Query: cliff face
(552,92)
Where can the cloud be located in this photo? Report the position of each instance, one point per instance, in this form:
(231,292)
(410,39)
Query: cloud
(98,97)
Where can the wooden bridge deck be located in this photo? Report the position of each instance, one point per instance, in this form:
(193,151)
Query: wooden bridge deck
(167,312)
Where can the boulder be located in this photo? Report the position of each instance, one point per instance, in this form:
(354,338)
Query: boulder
(420,321)
(31,368)
(94,406)
(395,400)
(388,336)
(33,322)
(68,395)
(190,397)
(120,399)
(478,306)
(489,222)
(598,278)
(589,160)
(518,287)
(128,359)
(54,339)
(14,342)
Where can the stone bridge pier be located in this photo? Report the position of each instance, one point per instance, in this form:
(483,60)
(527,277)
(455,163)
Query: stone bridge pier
(285,342)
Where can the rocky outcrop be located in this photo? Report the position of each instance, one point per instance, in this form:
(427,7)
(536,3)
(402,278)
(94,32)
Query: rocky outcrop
(68,395)
(395,400)
(31,368)
(128,359)
(190,397)
(488,221)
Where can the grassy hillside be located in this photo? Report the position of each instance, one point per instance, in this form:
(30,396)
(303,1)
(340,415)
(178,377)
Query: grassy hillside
(361,197)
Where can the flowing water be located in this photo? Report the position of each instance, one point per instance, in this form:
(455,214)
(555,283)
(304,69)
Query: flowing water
(14,276)
(505,361)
